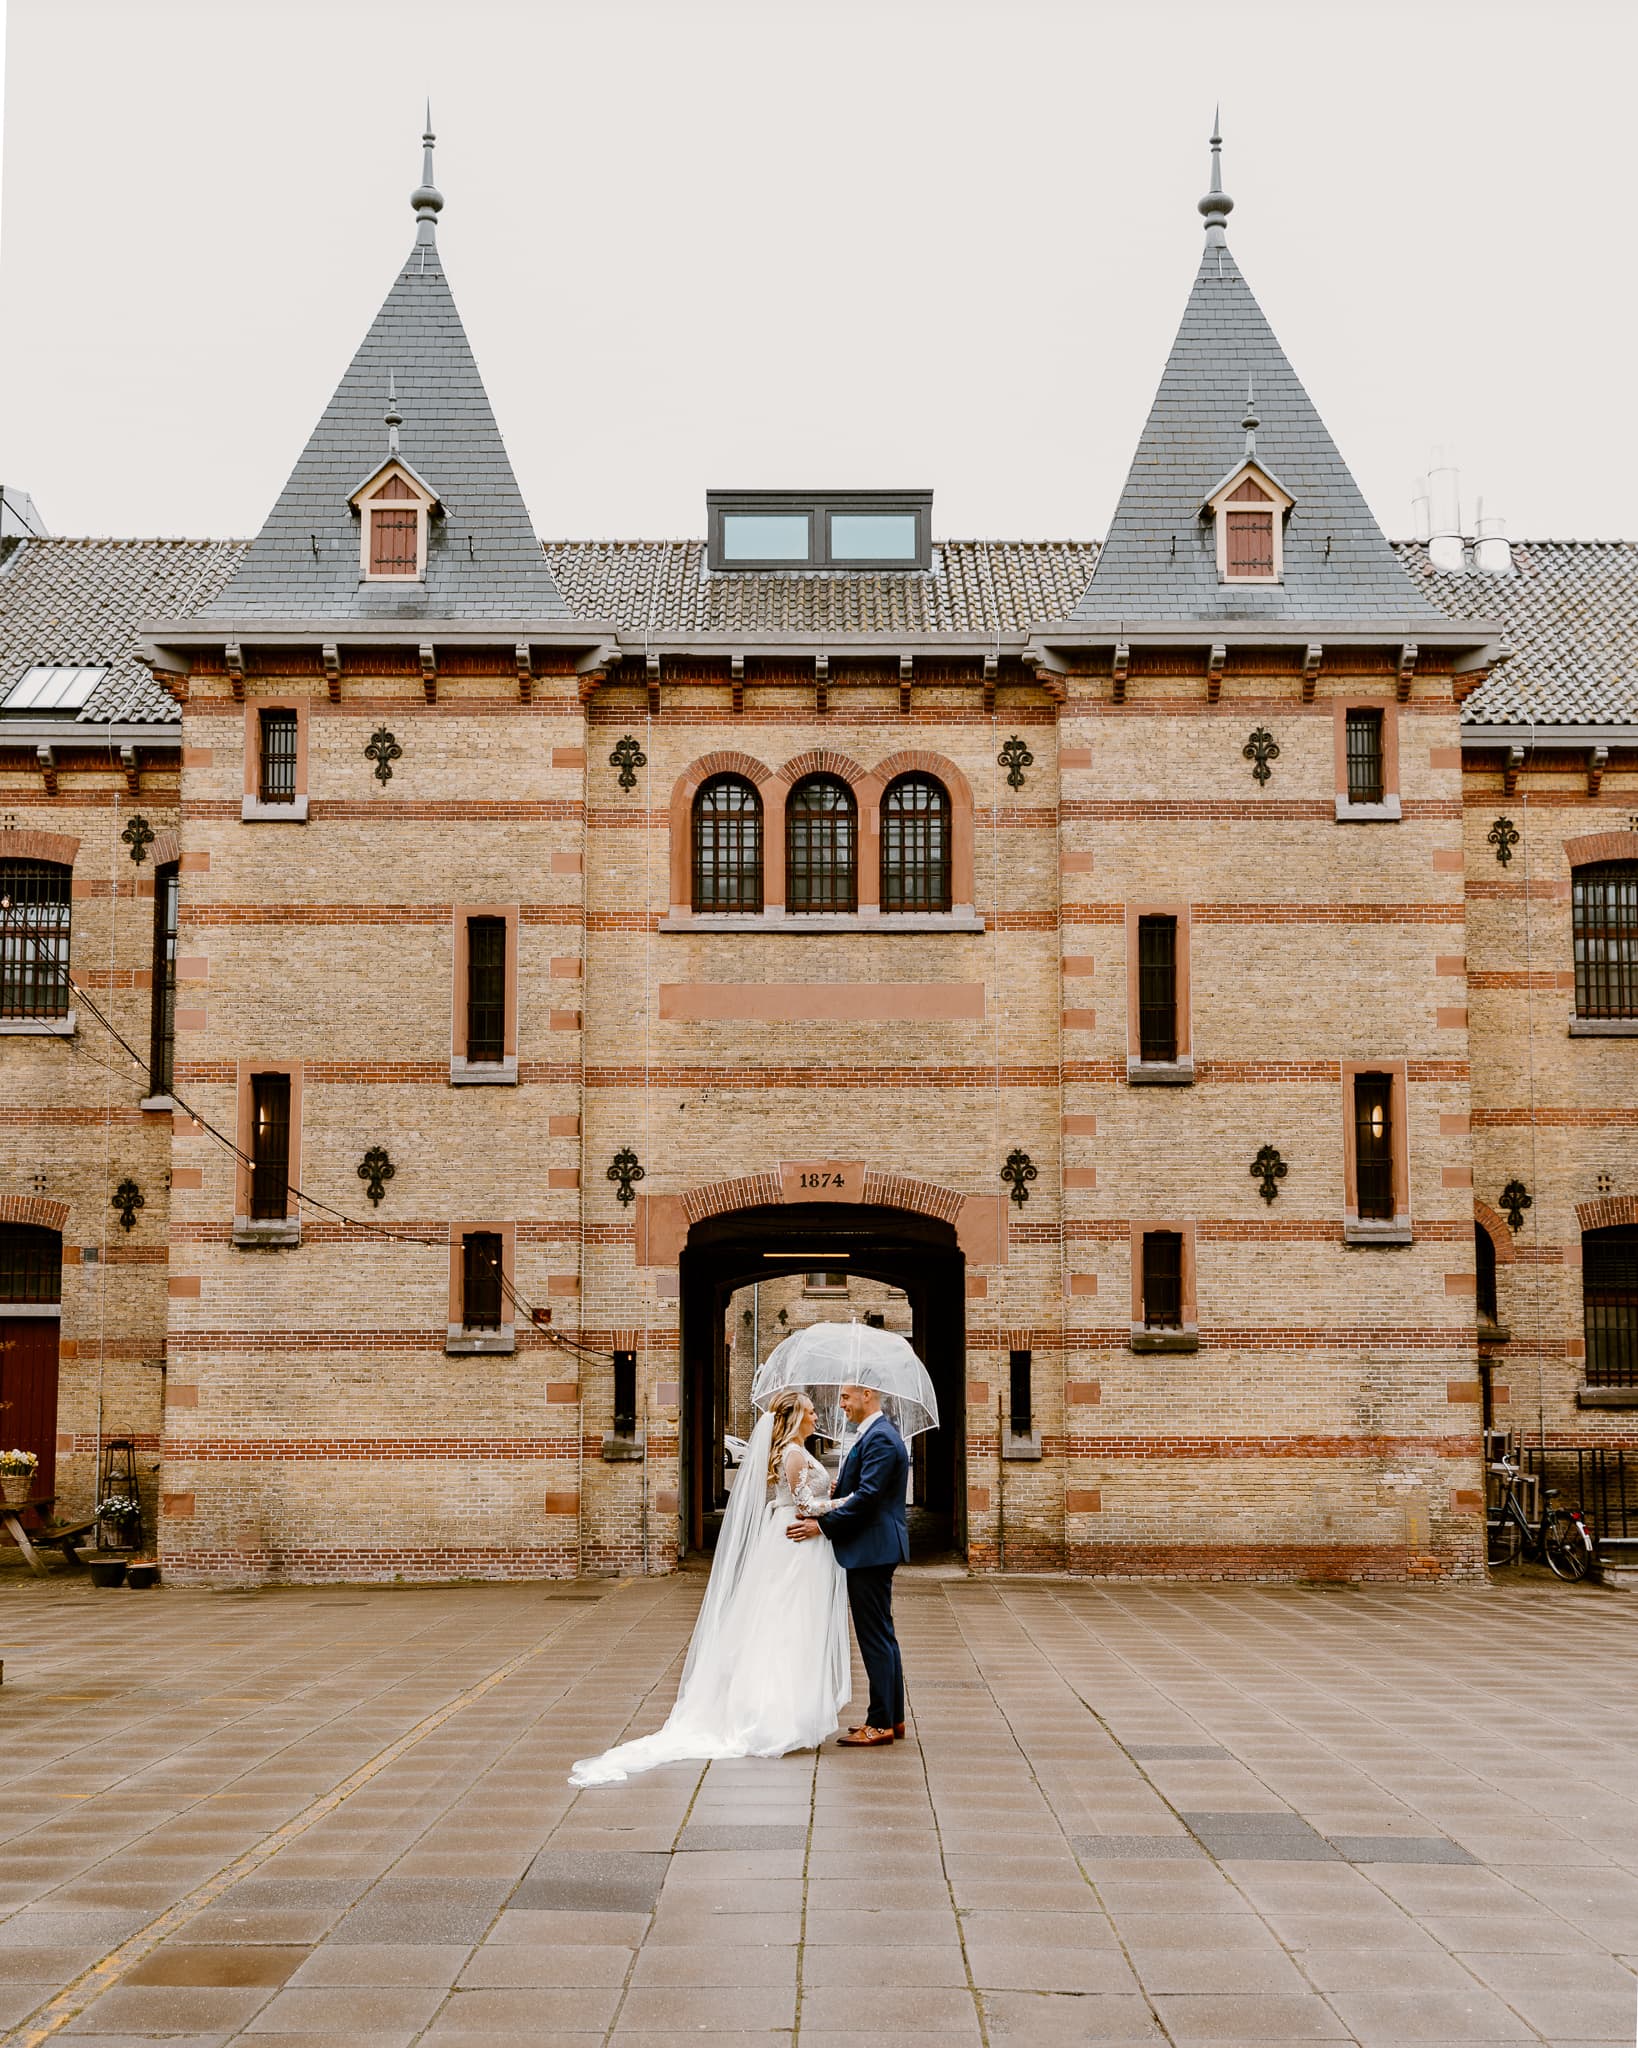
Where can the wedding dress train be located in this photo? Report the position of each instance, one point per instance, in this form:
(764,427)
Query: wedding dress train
(768,1668)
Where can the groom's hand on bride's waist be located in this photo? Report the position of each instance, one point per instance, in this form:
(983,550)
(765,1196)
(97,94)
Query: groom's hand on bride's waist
(800,1531)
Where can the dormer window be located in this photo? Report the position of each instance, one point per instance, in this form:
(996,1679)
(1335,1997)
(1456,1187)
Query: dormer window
(1249,508)
(819,530)
(394,508)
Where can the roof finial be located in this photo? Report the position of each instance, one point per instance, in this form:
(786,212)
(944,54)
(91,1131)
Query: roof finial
(1250,422)
(395,419)
(1217,205)
(427,200)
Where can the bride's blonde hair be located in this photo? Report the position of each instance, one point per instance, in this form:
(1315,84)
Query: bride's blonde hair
(785,1409)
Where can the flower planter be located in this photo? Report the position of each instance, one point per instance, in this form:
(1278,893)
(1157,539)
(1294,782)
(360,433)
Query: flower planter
(142,1575)
(15,1488)
(107,1571)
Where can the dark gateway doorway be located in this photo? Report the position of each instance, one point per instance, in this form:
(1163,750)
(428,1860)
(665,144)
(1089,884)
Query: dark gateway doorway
(916,1253)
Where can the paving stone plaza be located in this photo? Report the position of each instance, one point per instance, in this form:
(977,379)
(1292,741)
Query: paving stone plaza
(1158,1813)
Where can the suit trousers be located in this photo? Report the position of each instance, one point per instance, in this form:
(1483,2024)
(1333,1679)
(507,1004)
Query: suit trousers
(870,1600)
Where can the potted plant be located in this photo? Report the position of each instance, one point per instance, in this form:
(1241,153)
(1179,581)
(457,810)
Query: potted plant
(119,1514)
(17,1470)
(142,1572)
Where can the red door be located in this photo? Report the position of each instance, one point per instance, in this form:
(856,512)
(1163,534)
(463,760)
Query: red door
(28,1393)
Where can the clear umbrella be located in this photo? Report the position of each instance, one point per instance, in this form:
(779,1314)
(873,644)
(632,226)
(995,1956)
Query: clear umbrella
(826,1357)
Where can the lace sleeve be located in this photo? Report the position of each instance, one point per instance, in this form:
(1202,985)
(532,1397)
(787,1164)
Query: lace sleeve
(798,1472)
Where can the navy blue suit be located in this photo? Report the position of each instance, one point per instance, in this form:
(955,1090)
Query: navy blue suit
(871,1539)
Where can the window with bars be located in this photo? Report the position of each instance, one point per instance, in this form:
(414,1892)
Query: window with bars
(1157,988)
(1364,754)
(1163,1279)
(276,776)
(1020,1406)
(727,845)
(1484,1272)
(269,1145)
(34,934)
(481,1290)
(31,1267)
(1604,924)
(916,844)
(1609,1286)
(821,846)
(395,530)
(1373,1147)
(162,1029)
(486,988)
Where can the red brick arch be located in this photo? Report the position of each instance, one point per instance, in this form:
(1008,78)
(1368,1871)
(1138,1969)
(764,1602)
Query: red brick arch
(683,792)
(33,1209)
(763,1190)
(1607,1212)
(1588,847)
(31,845)
(918,761)
(166,848)
(821,761)
(1495,1226)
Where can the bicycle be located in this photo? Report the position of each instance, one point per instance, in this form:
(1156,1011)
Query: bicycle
(1561,1539)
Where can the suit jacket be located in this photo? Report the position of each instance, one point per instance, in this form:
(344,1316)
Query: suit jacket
(870,1527)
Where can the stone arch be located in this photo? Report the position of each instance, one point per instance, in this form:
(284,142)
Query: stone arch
(31,845)
(683,792)
(34,1209)
(920,761)
(1607,1212)
(1587,847)
(1495,1226)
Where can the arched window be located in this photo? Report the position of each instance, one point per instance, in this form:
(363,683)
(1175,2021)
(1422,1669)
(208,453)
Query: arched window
(916,844)
(821,846)
(34,914)
(1484,1268)
(1609,1293)
(727,845)
(1604,920)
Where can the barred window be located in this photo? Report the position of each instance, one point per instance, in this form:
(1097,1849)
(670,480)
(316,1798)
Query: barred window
(162,1032)
(277,778)
(821,846)
(486,988)
(916,844)
(1364,753)
(1609,1283)
(395,531)
(1373,1146)
(269,1145)
(1163,1279)
(1604,922)
(34,932)
(481,1280)
(31,1268)
(1484,1268)
(1157,988)
(727,845)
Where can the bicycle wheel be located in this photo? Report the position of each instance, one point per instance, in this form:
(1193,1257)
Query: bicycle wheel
(1564,1547)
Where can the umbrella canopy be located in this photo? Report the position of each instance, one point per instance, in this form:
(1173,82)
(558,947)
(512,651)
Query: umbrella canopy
(826,1357)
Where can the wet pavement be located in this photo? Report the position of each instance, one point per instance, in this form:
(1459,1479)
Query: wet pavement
(1188,1814)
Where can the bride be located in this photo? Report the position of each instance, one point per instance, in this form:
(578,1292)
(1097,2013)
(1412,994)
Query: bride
(768,1667)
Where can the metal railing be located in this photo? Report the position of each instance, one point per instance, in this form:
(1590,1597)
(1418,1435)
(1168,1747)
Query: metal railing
(1603,1483)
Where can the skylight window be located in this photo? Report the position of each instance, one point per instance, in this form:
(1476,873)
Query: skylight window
(56,686)
(818,530)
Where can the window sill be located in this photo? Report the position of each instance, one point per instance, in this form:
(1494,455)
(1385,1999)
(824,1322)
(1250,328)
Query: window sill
(158,1103)
(254,812)
(40,1027)
(1178,1073)
(1384,813)
(623,1450)
(883,922)
(1396,1230)
(464,1343)
(267,1230)
(1606,1397)
(1021,1449)
(51,1309)
(484,1073)
(1604,1027)
(1145,1339)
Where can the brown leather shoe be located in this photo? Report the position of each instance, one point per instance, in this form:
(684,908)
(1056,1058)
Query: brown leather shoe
(898,1730)
(864,1738)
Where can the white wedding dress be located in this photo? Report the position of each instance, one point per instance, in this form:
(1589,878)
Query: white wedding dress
(768,1668)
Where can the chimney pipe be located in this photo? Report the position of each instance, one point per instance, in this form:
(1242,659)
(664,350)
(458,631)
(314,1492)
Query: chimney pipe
(1445,549)
(1492,551)
(1419,507)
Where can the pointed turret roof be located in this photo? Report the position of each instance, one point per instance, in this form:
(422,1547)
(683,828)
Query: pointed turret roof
(1159,562)
(484,560)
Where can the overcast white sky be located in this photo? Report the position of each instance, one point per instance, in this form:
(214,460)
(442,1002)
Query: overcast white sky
(798,242)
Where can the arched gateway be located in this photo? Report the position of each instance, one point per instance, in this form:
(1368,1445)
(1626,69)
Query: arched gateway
(907,1247)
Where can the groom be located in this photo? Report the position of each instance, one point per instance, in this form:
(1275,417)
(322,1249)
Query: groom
(870,1537)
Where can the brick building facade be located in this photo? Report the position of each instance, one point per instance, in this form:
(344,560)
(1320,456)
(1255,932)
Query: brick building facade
(1157,960)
